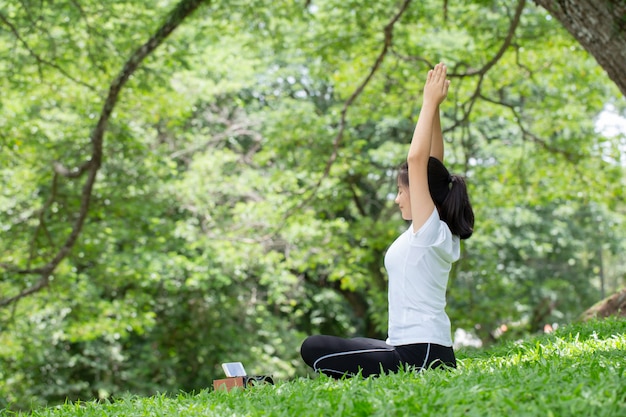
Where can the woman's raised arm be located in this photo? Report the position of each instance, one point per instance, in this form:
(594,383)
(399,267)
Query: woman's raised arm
(435,91)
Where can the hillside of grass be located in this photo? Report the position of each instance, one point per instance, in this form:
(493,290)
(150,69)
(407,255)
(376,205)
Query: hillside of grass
(578,370)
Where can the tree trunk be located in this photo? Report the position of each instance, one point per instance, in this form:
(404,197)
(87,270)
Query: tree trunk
(600,27)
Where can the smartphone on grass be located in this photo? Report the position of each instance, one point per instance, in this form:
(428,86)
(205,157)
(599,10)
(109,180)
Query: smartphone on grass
(233,369)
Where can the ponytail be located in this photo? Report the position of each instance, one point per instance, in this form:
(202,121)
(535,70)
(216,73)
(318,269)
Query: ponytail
(456,209)
(449,193)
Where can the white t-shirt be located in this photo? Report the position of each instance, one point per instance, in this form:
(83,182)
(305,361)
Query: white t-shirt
(418,265)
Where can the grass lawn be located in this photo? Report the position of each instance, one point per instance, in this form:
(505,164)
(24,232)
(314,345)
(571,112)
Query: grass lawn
(578,371)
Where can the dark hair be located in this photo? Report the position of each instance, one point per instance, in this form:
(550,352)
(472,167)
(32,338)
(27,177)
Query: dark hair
(449,193)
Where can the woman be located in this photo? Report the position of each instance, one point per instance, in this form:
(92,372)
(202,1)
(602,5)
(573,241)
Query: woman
(418,262)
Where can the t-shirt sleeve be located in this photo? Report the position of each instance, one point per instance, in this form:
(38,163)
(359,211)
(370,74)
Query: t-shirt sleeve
(436,236)
(430,232)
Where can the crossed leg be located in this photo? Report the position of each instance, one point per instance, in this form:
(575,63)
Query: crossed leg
(338,357)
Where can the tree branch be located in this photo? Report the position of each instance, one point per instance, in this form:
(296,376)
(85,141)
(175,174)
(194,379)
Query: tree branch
(481,72)
(388,32)
(41,224)
(182,10)
(38,58)
(505,45)
(528,134)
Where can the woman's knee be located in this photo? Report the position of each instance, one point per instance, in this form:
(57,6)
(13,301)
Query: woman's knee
(311,348)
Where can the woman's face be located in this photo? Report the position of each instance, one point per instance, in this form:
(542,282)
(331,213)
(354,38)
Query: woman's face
(403,201)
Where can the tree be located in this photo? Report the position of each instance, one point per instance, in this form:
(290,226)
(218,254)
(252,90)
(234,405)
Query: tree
(600,27)
(243,196)
(94,161)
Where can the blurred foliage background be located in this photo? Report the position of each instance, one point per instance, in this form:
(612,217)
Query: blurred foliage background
(245,194)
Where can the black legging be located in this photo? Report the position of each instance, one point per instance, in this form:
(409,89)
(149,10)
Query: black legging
(337,356)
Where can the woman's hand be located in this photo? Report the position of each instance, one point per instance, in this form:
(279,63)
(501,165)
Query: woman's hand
(436,87)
